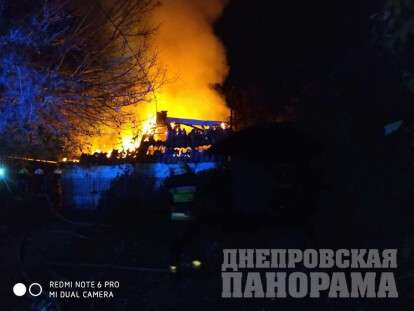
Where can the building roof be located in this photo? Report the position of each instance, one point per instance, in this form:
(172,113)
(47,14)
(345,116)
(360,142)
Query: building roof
(194,122)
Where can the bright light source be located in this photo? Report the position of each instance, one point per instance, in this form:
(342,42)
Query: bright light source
(196,264)
(65,159)
(173,269)
(2,172)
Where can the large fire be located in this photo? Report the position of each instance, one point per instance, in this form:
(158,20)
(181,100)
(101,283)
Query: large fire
(194,61)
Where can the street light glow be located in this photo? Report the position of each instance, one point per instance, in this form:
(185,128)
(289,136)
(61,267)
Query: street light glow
(2,172)
(196,264)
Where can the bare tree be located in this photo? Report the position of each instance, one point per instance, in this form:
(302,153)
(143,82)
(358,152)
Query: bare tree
(393,34)
(69,68)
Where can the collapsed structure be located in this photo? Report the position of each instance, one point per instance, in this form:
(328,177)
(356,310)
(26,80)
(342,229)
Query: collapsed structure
(170,140)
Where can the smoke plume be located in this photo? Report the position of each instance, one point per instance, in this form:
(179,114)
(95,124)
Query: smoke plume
(194,59)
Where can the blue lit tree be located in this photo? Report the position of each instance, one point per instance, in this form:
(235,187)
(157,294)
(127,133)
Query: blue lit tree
(65,70)
(393,33)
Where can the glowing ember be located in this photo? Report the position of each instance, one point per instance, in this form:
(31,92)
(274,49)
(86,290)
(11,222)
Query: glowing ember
(128,143)
(149,126)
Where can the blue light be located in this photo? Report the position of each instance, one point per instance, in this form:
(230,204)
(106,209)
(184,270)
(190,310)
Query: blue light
(2,172)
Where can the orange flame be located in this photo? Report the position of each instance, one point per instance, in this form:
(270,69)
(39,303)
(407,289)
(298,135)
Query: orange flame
(194,60)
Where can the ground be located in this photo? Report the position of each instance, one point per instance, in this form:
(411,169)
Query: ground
(59,251)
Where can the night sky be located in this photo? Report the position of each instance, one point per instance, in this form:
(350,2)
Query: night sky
(306,52)
(265,39)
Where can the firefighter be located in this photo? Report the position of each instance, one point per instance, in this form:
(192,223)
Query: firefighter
(56,187)
(23,179)
(39,180)
(181,187)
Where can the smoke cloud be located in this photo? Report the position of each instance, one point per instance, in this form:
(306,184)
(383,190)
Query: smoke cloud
(194,59)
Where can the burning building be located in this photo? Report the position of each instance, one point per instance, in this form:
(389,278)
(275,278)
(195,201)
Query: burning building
(184,139)
(171,139)
(192,60)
